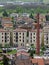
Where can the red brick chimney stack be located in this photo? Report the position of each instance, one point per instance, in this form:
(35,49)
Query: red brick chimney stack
(38,38)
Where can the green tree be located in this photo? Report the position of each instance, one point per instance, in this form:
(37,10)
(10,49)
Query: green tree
(12,20)
(31,16)
(32,51)
(5,60)
(5,13)
(47,17)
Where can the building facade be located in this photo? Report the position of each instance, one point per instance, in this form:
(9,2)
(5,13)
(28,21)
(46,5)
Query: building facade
(19,37)
(33,37)
(4,37)
(22,37)
(46,36)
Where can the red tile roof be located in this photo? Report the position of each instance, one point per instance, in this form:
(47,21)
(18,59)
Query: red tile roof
(39,61)
(2,30)
(20,30)
(7,25)
(35,30)
(7,18)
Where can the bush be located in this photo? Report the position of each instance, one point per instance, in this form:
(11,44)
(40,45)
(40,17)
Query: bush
(9,50)
(0,45)
(5,14)
(31,54)
(5,60)
(7,46)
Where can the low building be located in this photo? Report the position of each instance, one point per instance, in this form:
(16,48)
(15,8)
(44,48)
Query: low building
(6,22)
(7,25)
(38,61)
(25,15)
(14,15)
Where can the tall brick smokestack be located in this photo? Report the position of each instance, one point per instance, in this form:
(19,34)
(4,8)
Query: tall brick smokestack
(38,37)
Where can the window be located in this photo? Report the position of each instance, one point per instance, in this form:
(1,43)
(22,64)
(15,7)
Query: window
(34,37)
(19,33)
(16,33)
(23,37)
(7,40)
(5,33)
(34,40)
(23,33)
(47,36)
(16,40)
(2,36)
(21,44)
(34,33)
(7,36)
(20,39)
(23,40)
(31,41)
(2,40)
(30,37)
(14,36)
(31,34)
(2,33)
(20,36)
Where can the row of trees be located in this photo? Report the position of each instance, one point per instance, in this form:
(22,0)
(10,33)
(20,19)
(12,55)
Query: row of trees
(19,9)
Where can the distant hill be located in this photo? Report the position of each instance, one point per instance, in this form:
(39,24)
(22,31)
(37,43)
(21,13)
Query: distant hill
(46,1)
(38,1)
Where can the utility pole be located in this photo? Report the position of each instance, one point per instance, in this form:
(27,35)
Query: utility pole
(38,37)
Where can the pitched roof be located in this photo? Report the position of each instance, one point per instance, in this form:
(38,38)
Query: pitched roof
(35,30)
(39,61)
(6,20)
(3,30)
(19,30)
